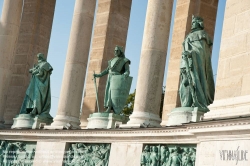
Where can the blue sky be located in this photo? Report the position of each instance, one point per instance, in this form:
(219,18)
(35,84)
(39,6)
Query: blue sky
(61,31)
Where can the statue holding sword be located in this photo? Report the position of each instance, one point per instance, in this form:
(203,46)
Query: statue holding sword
(118,82)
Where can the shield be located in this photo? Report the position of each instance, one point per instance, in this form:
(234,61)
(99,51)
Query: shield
(120,87)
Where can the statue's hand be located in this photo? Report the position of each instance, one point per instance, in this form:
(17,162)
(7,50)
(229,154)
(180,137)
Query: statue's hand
(126,75)
(97,75)
(30,70)
(194,84)
(186,54)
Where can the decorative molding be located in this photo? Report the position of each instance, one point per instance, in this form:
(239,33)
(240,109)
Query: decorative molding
(190,132)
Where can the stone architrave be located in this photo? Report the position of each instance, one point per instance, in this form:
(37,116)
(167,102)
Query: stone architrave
(111,27)
(182,25)
(232,90)
(152,64)
(9,27)
(76,64)
(33,37)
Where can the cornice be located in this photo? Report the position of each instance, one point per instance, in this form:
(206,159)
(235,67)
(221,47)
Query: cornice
(190,132)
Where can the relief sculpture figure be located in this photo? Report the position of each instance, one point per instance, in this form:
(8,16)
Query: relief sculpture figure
(87,155)
(197,83)
(162,155)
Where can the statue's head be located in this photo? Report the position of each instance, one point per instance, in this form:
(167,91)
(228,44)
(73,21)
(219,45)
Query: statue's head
(146,148)
(40,57)
(197,23)
(154,149)
(119,51)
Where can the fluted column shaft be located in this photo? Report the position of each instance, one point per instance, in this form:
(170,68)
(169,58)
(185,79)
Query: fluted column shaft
(76,64)
(152,63)
(9,27)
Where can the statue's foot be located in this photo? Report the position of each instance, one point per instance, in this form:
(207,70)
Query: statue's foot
(33,112)
(108,110)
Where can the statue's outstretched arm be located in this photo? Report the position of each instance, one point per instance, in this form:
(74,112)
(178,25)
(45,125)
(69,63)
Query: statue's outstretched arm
(104,72)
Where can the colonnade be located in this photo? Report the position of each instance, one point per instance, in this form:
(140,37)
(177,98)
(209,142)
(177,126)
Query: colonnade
(112,19)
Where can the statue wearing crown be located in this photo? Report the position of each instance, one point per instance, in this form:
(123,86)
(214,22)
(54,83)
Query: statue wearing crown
(197,83)
(196,76)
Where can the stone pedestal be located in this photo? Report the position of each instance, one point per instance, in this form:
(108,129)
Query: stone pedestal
(25,121)
(142,119)
(185,115)
(105,120)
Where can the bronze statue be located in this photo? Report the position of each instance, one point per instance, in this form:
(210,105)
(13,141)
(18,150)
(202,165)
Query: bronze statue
(38,97)
(118,81)
(197,83)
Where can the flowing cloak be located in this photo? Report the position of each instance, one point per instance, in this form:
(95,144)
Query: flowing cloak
(198,44)
(116,66)
(38,95)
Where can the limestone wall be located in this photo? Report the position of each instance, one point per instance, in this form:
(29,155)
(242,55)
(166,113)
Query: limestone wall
(232,91)
(233,75)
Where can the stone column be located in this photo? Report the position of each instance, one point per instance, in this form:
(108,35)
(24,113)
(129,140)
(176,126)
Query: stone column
(76,64)
(9,27)
(152,64)
(111,27)
(232,91)
(33,37)
(182,26)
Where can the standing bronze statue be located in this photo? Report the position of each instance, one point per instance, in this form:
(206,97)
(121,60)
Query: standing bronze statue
(37,100)
(118,81)
(197,83)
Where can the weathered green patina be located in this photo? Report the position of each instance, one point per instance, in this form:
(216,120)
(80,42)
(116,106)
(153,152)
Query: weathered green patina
(38,96)
(168,155)
(87,155)
(197,83)
(17,153)
(118,81)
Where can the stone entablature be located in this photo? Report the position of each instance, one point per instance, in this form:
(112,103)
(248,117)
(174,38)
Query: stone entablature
(211,138)
(193,132)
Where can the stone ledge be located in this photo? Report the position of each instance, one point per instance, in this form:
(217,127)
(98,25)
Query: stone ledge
(230,107)
(190,132)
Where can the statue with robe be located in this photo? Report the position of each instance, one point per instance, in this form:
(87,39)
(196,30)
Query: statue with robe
(197,83)
(37,100)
